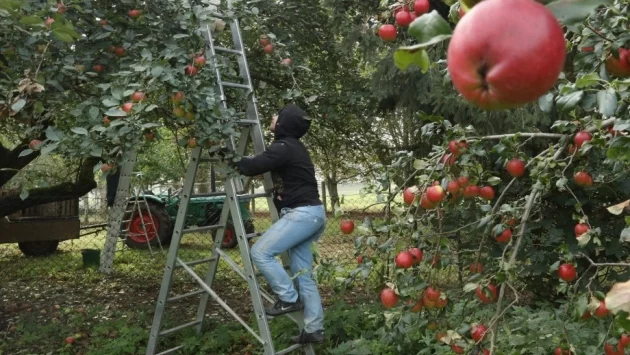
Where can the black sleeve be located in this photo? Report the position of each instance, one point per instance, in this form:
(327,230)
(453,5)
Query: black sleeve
(273,158)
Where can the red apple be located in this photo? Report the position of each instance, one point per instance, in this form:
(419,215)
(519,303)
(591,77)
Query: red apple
(435,193)
(417,255)
(463,181)
(103,22)
(619,66)
(515,167)
(505,236)
(471,191)
(200,61)
(191,70)
(346,226)
(457,349)
(432,294)
(404,260)
(264,40)
(387,33)
(580,229)
(583,179)
(581,137)
(417,307)
(486,193)
(177,97)
(138,96)
(435,261)
(457,148)
(35,144)
(487,294)
(448,159)
(452,187)
(127,107)
(425,203)
(134,13)
(360,259)
(268,48)
(476,268)
(98,68)
(286,62)
(408,196)
(478,332)
(61,8)
(567,272)
(49,21)
(610,350)
(403,18)
(70,340)
(149,136)
(106,121)
(119,51)
(389,298)
(601,311)
(560,351)
(486,67)
(421,7)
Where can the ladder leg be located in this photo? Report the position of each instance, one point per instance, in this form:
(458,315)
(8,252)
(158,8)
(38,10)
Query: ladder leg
(214,264)
(171,260)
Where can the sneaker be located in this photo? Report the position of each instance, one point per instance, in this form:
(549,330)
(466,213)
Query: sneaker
(307,338)
(281,307)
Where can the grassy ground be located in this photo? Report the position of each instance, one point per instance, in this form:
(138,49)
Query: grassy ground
(46,300)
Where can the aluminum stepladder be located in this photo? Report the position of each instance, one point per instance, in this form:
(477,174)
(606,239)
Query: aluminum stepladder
(250,129)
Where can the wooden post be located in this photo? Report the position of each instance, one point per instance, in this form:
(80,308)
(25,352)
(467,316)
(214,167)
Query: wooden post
(324,196)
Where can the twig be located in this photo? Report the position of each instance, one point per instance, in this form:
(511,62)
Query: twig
(41,60)
(528,208)
(496,318)
(525,134)
(582,255)
(596,32)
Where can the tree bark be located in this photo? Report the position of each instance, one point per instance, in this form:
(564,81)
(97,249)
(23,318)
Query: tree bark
(332,184)
(65,191)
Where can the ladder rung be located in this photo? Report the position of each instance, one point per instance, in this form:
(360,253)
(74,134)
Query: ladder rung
(247,196)
(235,85)
(171,350)
(220,16)
(209,194)
(247,122)
(253,235)
(186,295)
(228,50)
(180,327)
(209,160)
(289,349)
(197,262)
(201,229)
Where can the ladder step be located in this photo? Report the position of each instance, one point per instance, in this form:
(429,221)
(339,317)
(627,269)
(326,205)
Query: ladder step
(180,327)
(201,229)
(289,349)
(228,50)
(247,122)
(250,196)
(253,235)
(209,194)
(171,350)
(197,262)
(186,295)
(220,16)
(235,85)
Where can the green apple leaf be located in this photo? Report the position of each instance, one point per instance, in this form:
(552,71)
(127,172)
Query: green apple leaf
(430,28)
(569,101)
(405,56)
(570,12)
(587,80)
(607,102)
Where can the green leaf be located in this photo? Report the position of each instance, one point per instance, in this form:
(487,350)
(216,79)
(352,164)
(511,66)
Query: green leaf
(62,35)
(561,183)
(619,149)
(52,133)
(48,148)
(405,56)
(25,152)
(79,130)
(180,35)
(18,105)
(587,80)
(573,11)
(607,102)
(157,71)
(24,194)
(110,102)
(545,102)
(117,93)
(494,180)
(569,101)
(150,108)
(93,112)
(625,235)
(146,54)
(470,287)
(430,28)
(31,20)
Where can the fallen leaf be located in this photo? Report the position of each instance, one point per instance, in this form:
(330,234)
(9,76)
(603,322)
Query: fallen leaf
(618,208)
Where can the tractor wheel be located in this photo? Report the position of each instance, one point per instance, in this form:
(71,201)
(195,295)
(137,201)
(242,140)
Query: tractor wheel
(229,238)
(156,221)
(41,248)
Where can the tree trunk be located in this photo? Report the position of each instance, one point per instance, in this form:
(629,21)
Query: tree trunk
(333,192)
(65,191)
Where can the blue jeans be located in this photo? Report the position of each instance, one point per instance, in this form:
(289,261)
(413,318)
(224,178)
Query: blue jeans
(294,232)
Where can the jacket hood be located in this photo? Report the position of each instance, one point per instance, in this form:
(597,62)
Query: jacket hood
(292,122)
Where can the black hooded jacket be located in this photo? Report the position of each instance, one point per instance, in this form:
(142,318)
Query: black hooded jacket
(289,162)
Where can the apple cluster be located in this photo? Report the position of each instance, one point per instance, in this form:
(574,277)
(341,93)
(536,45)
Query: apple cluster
(403,17)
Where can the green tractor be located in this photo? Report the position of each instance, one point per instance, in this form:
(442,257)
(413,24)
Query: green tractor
(161,211)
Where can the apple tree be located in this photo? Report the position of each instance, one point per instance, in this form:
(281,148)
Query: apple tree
(492,233)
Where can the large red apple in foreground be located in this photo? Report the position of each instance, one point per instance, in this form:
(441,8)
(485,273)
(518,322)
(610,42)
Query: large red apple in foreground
(509,61)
